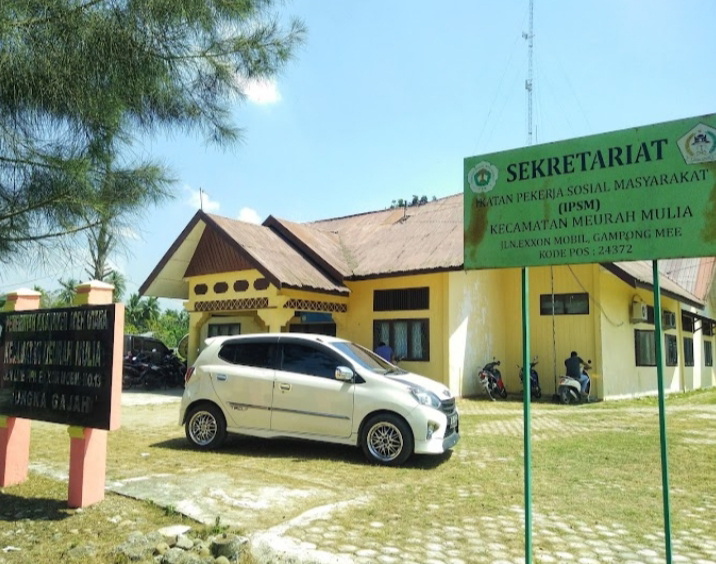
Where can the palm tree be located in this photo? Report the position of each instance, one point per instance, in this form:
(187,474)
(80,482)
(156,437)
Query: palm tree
(66,295)
(119,282)
(133,311)
(150,310)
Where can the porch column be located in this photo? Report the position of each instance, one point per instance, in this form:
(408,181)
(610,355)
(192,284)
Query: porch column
(15,431)
(275,317)
(341,321)
(196,322)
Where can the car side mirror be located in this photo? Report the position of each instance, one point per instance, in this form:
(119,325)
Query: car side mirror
(344,374)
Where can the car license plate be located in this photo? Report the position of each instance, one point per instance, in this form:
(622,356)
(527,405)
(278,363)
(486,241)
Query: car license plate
(453,420)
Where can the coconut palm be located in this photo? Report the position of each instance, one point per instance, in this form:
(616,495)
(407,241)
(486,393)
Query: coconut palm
(150,310)
(67,292)
(119,282)
(133,311)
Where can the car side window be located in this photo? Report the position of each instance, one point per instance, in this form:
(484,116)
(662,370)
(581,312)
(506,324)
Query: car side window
(308,360)
(258,355)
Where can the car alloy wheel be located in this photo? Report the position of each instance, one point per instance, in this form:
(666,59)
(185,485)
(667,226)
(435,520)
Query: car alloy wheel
(206,427)
(387,440)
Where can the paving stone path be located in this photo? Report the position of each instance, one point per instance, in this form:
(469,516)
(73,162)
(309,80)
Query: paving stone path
(560,538)
(437,536)
(556,538)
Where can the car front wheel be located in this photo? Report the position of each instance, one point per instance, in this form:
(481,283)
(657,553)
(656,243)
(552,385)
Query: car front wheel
(205,427)
(387,440)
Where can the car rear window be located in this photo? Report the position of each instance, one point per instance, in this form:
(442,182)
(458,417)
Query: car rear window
(259,355)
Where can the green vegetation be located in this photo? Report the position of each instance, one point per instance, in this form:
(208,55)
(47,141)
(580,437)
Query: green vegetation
(81,82)
(415,201)
(144,315)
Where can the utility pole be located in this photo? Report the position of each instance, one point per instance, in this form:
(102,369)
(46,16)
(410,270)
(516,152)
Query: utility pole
(529,36)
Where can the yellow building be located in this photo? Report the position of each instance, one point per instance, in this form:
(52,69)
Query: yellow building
(397,276)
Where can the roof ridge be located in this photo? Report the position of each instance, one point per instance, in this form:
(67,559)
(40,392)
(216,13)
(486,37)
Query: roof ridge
(390,209)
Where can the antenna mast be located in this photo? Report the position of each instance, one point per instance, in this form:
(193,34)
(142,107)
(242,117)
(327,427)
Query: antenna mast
(529,36)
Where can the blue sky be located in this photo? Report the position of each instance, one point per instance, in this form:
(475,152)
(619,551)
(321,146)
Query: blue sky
(386,99)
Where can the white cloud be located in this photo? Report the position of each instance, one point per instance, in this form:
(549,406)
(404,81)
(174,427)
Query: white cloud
(261,91)
(249,215)
(198,199)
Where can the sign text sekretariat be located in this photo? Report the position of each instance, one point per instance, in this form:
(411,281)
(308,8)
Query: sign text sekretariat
(56,365)
(637,194)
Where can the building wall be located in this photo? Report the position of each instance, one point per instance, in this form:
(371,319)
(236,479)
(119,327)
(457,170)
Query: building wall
(476,326)
(621,376)
(359,320)
(552,338)
(475,316)
(222,308)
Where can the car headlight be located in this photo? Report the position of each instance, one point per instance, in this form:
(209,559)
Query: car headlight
(425,397)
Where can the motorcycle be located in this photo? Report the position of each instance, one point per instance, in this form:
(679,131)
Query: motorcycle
(491,380)
(535,390)
(133,367)
(168,373)
(570,389)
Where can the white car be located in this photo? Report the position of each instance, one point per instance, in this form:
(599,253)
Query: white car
(315,387)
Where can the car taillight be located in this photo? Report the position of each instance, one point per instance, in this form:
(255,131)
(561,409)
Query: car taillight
(189,374)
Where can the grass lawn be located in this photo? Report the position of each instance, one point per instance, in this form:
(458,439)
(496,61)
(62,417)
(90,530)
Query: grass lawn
(596,483)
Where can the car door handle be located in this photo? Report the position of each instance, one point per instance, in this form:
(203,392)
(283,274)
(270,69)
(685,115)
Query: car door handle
(285,386)
(221,377)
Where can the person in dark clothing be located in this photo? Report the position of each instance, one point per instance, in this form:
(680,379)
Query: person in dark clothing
(574,370)
(384,351)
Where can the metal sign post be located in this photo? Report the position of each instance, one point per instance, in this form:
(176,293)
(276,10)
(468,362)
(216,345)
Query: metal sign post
(526,398)
(658,336)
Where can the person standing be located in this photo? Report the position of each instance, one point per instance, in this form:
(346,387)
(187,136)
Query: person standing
(384,351)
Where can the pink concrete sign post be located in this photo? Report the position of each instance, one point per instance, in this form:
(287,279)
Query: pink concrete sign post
(88,447)
(15,431)
(61,365)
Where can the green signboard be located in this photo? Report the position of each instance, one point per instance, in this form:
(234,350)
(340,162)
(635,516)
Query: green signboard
(636,194)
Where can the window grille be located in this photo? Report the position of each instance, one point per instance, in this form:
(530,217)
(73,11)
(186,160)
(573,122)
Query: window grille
(404,299)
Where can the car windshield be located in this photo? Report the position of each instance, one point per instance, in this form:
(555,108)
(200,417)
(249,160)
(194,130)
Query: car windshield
(367,359)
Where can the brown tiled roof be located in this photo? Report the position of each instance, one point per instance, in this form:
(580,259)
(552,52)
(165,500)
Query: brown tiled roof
(275,256)
(324,247)
(404,240)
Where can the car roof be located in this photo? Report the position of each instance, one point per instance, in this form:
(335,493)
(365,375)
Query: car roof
(314,337)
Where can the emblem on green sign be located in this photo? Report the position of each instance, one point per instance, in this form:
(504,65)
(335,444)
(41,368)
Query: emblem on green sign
(482,177)
(699,145)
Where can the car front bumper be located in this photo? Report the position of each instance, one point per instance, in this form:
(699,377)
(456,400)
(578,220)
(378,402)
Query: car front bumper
(434,431)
